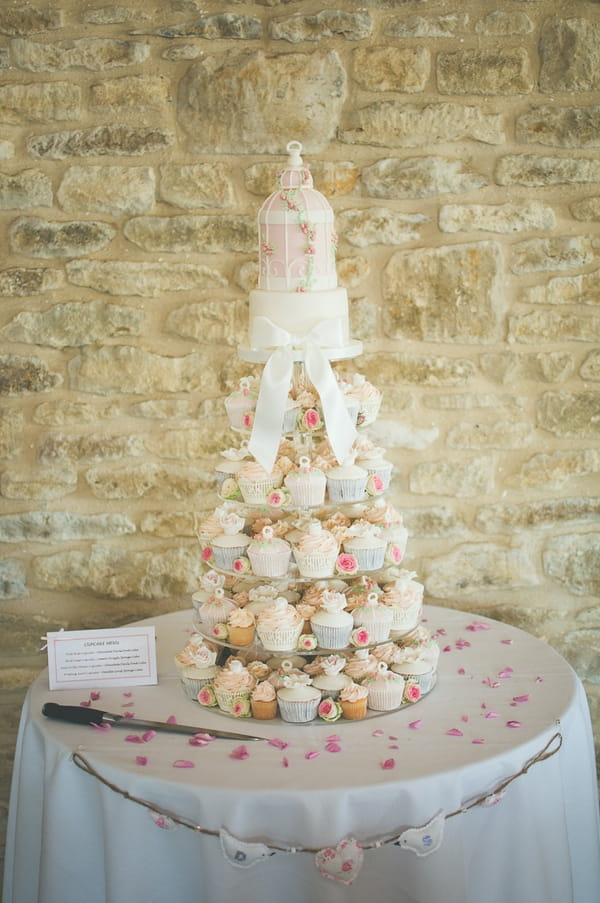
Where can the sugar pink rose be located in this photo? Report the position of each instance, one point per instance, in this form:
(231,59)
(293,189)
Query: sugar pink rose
(346,564)
(311,419)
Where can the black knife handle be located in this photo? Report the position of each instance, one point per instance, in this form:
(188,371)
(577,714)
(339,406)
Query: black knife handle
(76,714)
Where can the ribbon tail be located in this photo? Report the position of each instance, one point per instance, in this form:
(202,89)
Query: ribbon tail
(270,408)
(340,429)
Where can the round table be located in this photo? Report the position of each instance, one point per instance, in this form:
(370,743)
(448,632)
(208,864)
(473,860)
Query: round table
(483,790)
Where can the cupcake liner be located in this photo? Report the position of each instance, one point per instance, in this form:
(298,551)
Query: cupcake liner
(193,685)
(226,698)
(385,472)
(255,492)
(299,710)
(224,557)
(346,490)
(241,636)
(369,559)
(272,564)
(354,710)
(405,619)
(314,565)
(425,681)
(332,637)
(307,495)
(283,639)
(263,709)
(386,698)
(378,632)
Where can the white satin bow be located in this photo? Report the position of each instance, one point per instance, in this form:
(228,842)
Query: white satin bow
(276,381)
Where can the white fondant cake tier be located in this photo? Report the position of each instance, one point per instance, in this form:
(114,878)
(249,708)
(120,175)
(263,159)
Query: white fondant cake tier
(282,318)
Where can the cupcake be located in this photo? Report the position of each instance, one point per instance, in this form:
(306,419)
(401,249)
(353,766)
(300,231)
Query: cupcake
(196,665)
(298,702)
(279,626)
(209,582)
(232,684)
(367,547)
(233,458)
(290,415)
(385,689)
(360,665)
(331,680)
(256,484)
(240,403)
(269,556)
(316,552)
(331,624)
(369,399)
(263,701)
(405,597)
(286,670)
(241,626)
(390,523)
(416,666)
(347,483)
(231,543)
(215,610)
(353,699)
(306,484)
(374,463)
(374,617)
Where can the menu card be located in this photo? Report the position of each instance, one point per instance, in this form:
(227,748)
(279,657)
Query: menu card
(121,657)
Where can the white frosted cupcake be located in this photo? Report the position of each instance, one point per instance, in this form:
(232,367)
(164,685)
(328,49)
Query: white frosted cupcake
(231,543)
(331,679)
(415,668)
(215,609)
(368,548)
(269,556)
(369,398)
(256,484)
(374,617)
(347,483)
(404,595)
(375,464)
(330,623)
(385,689)
(316,551)
(209,582)
(234,684)
(196,665)
(298,702)
(279,626)
(240,403)
(306,484)
(233,458)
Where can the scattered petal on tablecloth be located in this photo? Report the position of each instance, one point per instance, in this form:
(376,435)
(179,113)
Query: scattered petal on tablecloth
(162,821)
(242,854)
(426,839)
(341,863)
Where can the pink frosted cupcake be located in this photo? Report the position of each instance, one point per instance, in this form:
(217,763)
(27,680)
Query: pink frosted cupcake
(353,699)
(316,552)
(263,701)
(279,626)
(233,686)
(374,617)
(306,484)
(369,399)
(269,556)
(404,595)
(256,484)
(196,665)
(385,689)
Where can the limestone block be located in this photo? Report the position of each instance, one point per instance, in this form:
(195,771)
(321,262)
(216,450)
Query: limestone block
(199,185)
(466,478)
(13,581)
(467,401)
(42,484)
(117,572)
(441,26)
(169,524)
(436,522)
(500,22)
(378,225)
(130,93)
(501,71)
(226,25)
(363,319)
(151,279)
(559,253)
(590,368)
(546,514)
(181,52)
(560,126)
(333,178)
(107,189)
(478,568)
(97,54)
(74,324)
(587,209)
(584,288)
(104,140)
(33,237)
(549,326)
(12,425)
(419,177)
(445,294)
(209,109)
(570,414)
(21,20)
(508,367)
(391,123)
(392,434)
(27,189)
(581,648)
(557,469)
(114,15)
(391,68)
(210,322)
(570,55)
(26,375)
(191,444)
(7,150)
(502,218)
(19,281)
(65,448)
(534,171)
(193,234)
(393,368)
(351,271)
(105,371)
(325,24)
(62,526)
(502,434)
(573,560)
(70,413)
(162,409)
(55,101)
(148,480)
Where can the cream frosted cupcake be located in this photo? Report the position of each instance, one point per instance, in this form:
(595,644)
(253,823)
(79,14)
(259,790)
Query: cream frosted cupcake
(196,665)
(298,702)
(390,523)
(240,403)
(417,666)
(353,699)
(215,610)
(385,689)
(306,484)
(233,458)
(360,665)
(331,623)
(263,701)
(369,399)
(269,556)
(376,464)
(240,626)
(316,552)
(347,483)
(231,543)
(209,582)
(279,626)
(331,678)
(374,617)
(256,484)
(233,686)
(405,597)
(367,546)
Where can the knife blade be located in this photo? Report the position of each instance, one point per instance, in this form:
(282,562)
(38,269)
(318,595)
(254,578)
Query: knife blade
(77,714)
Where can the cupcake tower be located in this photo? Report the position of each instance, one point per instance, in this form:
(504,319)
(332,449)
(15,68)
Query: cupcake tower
(304,610)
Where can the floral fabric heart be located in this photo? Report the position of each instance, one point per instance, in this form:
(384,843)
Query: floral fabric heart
(341,863)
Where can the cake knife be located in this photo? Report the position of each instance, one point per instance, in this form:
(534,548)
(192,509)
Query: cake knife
(77,714)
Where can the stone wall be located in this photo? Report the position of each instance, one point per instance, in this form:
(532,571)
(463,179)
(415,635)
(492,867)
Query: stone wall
(458,144)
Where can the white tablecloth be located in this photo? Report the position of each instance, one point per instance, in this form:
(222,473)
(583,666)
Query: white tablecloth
(501,698)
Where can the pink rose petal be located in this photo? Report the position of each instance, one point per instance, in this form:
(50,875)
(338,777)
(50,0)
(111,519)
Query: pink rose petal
(464,718)
(513,724)
(333,747)
(388,764)
(454,732)
(461,671)
(447,649)
(462,644)
(183,763)
(333,738)
(149,735)
(415,725)
(171,719)
(240,752)
(312,754)
(507,642)
(141,760)
(95,695)
(127,694)
(278,744)
(478,740)
(506,672)
(524,698)
(105,726)
(133,738)
(377,733)
(85,703)
(492,715)
(479,625)
(285,762)
(197,740)
(128,714)
(539,680)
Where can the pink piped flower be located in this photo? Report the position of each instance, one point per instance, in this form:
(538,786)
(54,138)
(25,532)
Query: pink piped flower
(346,563)
(276,498)
(311,419)
(241,565)
(248,420)
(412,691)
(207,553)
